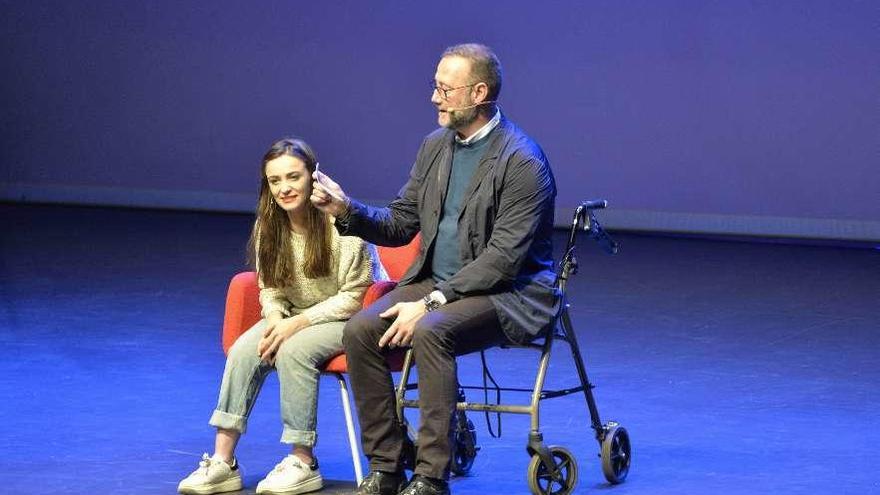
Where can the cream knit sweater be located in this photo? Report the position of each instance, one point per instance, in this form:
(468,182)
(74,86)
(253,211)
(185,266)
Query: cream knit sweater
(335,297)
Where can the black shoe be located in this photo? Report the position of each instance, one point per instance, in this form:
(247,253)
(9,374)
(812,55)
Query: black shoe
(382,483)
(422,485)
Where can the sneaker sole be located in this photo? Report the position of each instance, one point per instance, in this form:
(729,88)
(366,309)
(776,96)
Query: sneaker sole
(305,486)
(231,485)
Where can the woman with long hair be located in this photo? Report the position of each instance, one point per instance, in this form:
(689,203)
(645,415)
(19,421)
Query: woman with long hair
(311,280)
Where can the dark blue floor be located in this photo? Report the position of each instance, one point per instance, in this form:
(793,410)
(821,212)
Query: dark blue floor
(737,367)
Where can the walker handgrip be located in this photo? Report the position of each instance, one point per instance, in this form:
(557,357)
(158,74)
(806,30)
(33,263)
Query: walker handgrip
(595,204)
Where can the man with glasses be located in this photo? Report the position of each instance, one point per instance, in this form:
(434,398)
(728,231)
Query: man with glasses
(482,195)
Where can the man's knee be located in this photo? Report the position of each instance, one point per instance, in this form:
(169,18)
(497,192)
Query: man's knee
(426,334)
(359,330)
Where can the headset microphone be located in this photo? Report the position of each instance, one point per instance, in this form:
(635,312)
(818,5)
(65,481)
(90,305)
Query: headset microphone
(453,110)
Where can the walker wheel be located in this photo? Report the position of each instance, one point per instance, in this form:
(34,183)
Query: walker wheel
(465,447)
(616,454)
(541,478)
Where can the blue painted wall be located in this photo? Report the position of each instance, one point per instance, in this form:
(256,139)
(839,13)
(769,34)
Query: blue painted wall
(727,109)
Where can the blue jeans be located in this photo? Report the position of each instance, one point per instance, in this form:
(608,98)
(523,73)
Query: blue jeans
(297,364)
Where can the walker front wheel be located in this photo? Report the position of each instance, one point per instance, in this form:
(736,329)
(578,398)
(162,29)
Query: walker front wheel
(544,480)
(616,454)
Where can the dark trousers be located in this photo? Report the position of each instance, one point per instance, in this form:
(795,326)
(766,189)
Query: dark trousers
(456,328)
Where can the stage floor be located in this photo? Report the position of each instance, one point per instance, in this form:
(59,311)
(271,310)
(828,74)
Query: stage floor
(737,367)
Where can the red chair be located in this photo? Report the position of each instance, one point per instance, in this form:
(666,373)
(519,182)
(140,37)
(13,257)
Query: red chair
(243,311)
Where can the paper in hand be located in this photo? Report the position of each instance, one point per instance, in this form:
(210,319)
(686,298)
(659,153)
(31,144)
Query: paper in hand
(319,176)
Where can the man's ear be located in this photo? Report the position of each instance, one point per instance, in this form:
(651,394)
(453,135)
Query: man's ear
(482,91)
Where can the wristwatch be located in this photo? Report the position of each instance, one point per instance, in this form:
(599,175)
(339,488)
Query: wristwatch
(432,301)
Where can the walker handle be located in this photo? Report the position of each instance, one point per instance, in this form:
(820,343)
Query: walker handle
(595,204)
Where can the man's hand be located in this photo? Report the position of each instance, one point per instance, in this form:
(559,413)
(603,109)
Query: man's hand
(400,333)
(327,196)
(277,331)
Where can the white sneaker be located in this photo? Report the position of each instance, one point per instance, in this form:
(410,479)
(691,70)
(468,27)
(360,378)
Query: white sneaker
(212,476)
(291,476)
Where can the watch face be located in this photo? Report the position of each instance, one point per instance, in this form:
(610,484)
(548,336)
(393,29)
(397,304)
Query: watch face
(431,304)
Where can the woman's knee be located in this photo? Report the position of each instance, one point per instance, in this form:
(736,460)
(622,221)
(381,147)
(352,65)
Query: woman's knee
(247,342)
(286,357)
(311,346)
(243,349)
(297,352)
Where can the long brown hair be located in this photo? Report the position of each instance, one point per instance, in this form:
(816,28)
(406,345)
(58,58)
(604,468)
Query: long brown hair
(270,248)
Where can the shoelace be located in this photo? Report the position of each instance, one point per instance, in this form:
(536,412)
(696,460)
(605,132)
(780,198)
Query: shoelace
(290,460)
(205,463)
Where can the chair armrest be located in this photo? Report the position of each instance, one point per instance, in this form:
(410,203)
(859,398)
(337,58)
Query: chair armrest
(242,307)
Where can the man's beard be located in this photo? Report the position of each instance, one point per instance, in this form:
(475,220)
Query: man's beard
(462,118)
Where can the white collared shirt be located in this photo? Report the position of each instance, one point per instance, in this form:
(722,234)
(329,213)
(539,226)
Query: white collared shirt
(483,132)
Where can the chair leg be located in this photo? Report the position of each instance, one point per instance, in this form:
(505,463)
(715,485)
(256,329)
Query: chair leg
(349,425)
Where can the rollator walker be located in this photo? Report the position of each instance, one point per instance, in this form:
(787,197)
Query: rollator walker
(552,469)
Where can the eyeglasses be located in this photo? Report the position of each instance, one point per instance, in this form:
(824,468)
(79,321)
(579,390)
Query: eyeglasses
(444,92)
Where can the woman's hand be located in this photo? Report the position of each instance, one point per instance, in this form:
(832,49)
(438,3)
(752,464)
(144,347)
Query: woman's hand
(277,331)
(400,333)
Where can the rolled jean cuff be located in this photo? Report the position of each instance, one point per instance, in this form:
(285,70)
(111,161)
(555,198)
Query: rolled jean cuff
(227,421)
(299,437)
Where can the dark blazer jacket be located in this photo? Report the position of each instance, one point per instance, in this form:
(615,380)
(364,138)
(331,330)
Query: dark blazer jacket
(505,226)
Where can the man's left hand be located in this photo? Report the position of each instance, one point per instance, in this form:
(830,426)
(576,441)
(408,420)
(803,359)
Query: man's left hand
(406,314)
